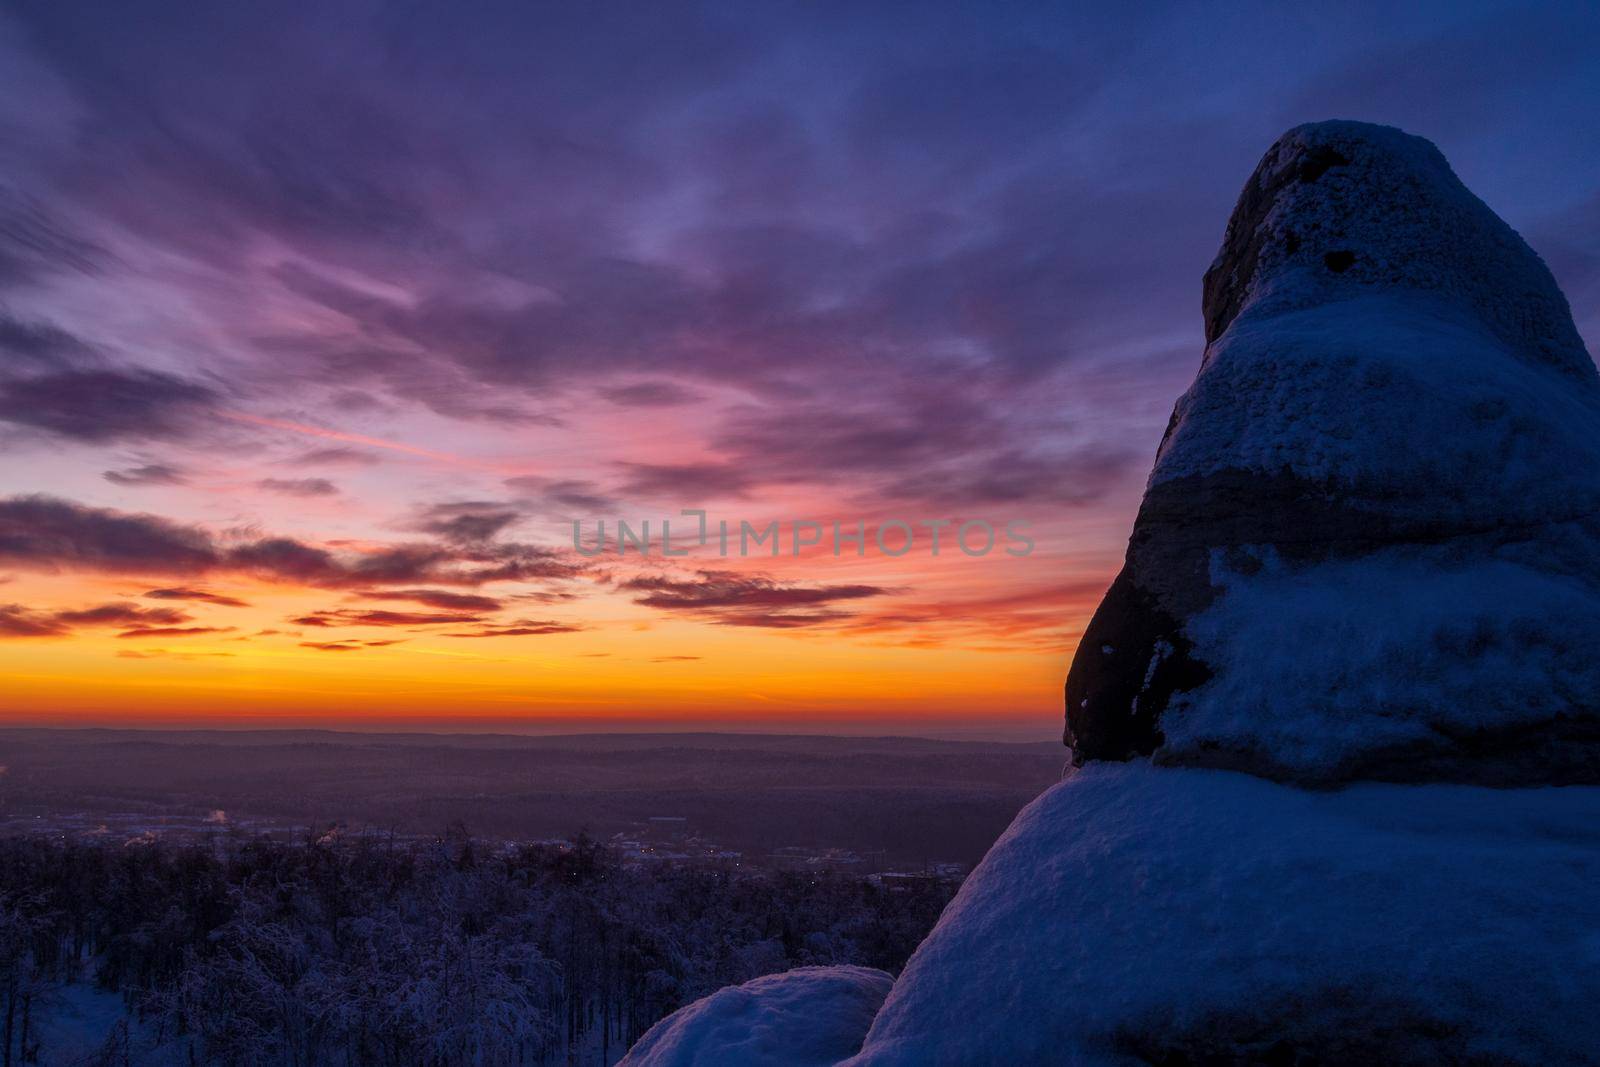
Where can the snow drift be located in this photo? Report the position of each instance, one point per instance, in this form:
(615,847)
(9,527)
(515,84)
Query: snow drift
(1140,914)
(807,1017)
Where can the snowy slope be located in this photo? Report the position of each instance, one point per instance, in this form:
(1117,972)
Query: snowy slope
(807,1017)
(1134,912)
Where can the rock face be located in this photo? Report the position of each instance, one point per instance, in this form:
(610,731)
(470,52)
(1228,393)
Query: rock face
(1370,545)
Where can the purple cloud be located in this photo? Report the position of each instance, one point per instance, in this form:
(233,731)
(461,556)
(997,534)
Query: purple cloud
(658,394)
(140,632)
(519,628)
(562,494)
(46,533)
(149,474)
(41,343)
(36,243)
(18,621)
(305,487)
(102,405)
(467,522)
(338,456)
(122,615)
(348,617)
(183,593)
(436,598)
(730,599)
(683,481)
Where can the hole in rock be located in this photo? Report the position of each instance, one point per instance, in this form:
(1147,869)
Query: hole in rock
(1318,161)
(1339,261)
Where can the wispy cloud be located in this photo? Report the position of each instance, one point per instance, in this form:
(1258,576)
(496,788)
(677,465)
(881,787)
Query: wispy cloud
(174,631)
(40,343)
(348,646)
(655,394)
(684,481)
(105,405)
(149,474)
(42,532)
(731,599)
(303,487)
(336,456)
(184,593)
(436,598)
(562,495)
(468,522)
(354,617)
(291,426)
(19,621)
(519,628)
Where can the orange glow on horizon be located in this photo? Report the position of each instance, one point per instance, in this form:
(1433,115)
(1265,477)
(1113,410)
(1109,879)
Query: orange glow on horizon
(972,657)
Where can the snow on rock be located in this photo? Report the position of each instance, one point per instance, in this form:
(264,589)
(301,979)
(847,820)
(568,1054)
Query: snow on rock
(1493,652)
(1140,914)
(1370,546)
(807,1017)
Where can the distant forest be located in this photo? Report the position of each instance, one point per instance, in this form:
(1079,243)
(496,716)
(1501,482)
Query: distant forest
(373,950)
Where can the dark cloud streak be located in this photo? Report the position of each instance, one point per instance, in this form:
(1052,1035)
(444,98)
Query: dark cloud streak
(47,533)
(181,593)
(149,474)
(302,487)
(105,405)
(730,599)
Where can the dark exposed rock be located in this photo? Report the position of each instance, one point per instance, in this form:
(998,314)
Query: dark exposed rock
(1370,546)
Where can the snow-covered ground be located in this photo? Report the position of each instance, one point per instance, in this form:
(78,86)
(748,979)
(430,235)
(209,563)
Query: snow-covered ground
(80,1022)
(807,1017)
(86,1026)
(1134,913)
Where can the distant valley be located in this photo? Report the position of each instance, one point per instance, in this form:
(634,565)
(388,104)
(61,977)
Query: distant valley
(908,801)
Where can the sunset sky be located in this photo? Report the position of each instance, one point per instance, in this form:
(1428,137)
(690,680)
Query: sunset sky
(320,324)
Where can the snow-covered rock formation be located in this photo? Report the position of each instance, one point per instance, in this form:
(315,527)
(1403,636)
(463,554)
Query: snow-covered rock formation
(807,1017)
(1370,546)
(1337,722)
